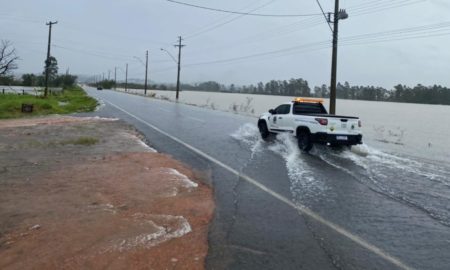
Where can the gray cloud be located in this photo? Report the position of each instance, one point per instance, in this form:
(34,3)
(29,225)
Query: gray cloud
(93,37)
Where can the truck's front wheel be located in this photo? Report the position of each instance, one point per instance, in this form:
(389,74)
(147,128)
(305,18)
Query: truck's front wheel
(304,141)
(263,130)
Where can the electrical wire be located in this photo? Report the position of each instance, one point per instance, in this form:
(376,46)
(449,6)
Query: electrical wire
(92,53)
(324,15)
(308,23)
(392,35)
(228,21)
(244,13)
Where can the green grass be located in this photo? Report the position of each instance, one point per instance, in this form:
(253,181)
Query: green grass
(74,98)
(81,141)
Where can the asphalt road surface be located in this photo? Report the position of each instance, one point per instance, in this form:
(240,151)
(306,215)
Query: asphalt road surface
(280,209)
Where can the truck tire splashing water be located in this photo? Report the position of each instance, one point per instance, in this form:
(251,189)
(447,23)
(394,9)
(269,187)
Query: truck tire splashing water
(304,185)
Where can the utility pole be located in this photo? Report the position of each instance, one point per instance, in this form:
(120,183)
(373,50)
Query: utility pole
(126,78)
(146,72)
(179,45)
(115,78)
(338,15)
(109,74)
(47,62)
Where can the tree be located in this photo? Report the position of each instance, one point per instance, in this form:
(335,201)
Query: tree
(8,58)
(52,68)
(66,80)
(29,79)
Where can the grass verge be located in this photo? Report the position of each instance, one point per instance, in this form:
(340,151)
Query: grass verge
(73,99)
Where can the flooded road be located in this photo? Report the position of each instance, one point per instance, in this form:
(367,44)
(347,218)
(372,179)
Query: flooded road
(412,129)
(382,210)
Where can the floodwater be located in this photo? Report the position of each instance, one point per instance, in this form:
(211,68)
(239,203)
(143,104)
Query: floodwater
(408,129)
(29,90)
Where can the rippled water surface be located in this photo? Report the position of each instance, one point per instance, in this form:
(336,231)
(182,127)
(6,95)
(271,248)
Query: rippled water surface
(419,183)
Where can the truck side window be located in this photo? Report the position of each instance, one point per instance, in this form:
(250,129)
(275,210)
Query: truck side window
(283,109)
(309,108)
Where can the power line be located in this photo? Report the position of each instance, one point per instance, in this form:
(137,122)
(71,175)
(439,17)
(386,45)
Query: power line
(324,15)
(244,13)
(225,17)
(312,22)
(391,35)
(386,7)
(91,53)
(229,21)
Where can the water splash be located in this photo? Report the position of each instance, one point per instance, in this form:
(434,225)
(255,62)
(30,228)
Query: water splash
(249,135)
(305,184)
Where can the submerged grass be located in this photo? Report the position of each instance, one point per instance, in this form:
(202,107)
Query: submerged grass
(73,99)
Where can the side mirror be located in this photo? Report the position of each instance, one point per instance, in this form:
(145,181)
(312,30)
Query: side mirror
(272,111)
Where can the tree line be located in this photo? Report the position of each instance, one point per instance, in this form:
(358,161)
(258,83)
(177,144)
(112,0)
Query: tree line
(435,94)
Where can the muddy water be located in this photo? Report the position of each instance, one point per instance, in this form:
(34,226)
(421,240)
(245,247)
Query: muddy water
(412,129)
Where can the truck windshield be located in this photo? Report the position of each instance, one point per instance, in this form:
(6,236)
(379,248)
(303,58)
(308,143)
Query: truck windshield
(309,108)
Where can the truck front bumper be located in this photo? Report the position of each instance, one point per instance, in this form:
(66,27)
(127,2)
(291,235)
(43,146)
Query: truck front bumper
(336,139)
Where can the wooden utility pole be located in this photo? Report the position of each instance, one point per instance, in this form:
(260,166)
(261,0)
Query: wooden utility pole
(179,45)
(338,15)
(146,72)
(47,62)
(126,78)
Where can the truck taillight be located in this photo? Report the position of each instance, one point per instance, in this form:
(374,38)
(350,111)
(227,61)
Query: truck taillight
(359,123)
(322,121)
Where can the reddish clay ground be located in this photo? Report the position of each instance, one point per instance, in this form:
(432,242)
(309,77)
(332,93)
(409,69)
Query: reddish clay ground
(112,204)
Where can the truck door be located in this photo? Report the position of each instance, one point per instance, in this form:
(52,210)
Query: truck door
(279,120)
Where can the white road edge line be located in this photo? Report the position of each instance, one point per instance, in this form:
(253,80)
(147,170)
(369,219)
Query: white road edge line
(303,209)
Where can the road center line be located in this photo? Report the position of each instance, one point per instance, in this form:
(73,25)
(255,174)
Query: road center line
(301,208)
(164,110)
(195,119)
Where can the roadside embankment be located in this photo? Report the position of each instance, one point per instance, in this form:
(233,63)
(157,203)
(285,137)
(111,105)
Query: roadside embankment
(87,193)
(72,99)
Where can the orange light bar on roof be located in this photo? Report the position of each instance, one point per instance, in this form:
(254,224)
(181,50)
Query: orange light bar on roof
(309,100)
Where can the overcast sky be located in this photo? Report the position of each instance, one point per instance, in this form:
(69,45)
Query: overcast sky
(94,36)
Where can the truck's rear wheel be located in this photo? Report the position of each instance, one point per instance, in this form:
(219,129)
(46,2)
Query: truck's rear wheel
(304,141)
(263,130)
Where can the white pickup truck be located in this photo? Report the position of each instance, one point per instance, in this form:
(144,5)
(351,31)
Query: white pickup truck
(308,120)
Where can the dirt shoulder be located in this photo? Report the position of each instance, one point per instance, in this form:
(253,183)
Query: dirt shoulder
(86,193)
